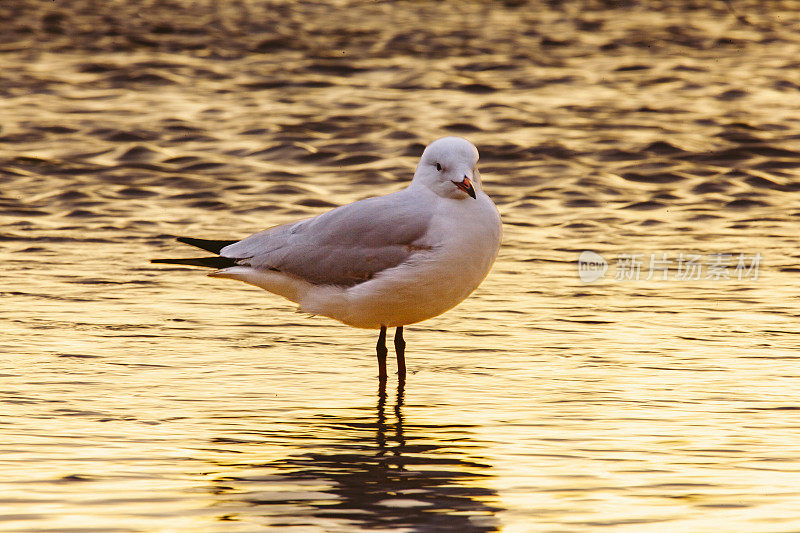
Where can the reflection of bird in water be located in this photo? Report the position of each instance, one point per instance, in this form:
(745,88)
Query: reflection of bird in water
(370,473)
(385,261)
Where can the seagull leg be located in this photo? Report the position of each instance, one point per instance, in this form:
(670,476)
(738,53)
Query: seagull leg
(400,349)
(382,352)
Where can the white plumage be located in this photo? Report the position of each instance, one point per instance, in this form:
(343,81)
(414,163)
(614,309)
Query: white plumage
(384,261)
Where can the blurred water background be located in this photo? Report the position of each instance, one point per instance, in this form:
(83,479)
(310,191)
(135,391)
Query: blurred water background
(138,398)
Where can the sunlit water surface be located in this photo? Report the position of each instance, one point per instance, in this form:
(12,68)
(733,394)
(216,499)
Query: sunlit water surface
(144,398)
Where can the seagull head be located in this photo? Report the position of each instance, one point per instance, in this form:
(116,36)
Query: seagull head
(449,168)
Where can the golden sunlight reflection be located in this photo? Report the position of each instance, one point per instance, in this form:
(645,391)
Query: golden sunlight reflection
(651,386)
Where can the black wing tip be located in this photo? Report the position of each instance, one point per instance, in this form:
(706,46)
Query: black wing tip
(209,245)
(206,262)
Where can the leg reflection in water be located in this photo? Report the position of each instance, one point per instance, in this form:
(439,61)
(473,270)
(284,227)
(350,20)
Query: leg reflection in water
(364,469)
(380,438)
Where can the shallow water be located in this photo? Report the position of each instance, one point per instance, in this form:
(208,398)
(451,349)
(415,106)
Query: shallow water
(144,398)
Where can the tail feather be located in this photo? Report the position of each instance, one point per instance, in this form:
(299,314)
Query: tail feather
(208,262)
(208,245)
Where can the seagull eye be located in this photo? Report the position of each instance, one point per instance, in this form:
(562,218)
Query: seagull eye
(438,167)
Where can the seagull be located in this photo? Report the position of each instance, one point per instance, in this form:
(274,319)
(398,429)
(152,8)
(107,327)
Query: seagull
(382,262)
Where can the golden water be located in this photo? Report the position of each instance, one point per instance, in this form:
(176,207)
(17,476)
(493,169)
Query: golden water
(143,398)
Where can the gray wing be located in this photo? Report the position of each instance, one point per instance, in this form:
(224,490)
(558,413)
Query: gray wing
(345,246)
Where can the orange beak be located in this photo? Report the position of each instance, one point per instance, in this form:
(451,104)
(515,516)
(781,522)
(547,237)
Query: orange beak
(465,186)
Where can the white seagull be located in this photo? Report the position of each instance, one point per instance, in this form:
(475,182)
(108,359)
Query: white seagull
(381,262)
